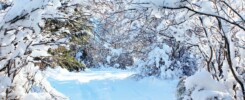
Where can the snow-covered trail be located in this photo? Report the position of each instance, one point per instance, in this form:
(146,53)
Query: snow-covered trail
(110,84)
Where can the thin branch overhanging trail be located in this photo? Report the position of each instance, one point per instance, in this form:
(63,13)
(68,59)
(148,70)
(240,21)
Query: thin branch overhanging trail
(203,13)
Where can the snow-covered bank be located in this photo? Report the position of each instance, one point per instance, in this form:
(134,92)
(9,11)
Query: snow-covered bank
(110,84)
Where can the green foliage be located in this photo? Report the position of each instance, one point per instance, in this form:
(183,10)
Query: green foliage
(80,39)
(78,35)
(53,25)
(63,58)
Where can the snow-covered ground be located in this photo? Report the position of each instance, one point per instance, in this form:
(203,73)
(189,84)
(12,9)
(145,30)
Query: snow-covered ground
(110,84)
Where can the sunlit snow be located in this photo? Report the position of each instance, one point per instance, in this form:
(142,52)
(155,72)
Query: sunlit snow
(110,84)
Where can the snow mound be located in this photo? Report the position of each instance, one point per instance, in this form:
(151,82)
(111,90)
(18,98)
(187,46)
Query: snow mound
(204,87)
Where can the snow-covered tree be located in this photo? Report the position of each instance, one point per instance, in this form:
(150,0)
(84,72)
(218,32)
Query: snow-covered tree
(35,34)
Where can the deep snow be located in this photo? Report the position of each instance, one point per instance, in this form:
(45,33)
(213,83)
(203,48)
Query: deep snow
(110,84)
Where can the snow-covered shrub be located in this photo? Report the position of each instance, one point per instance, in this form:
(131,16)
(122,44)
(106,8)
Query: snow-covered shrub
(167,62)
(201,86)
(155,63)
(181,58)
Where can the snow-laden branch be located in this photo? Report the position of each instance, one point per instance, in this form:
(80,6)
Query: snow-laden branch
(206,14)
